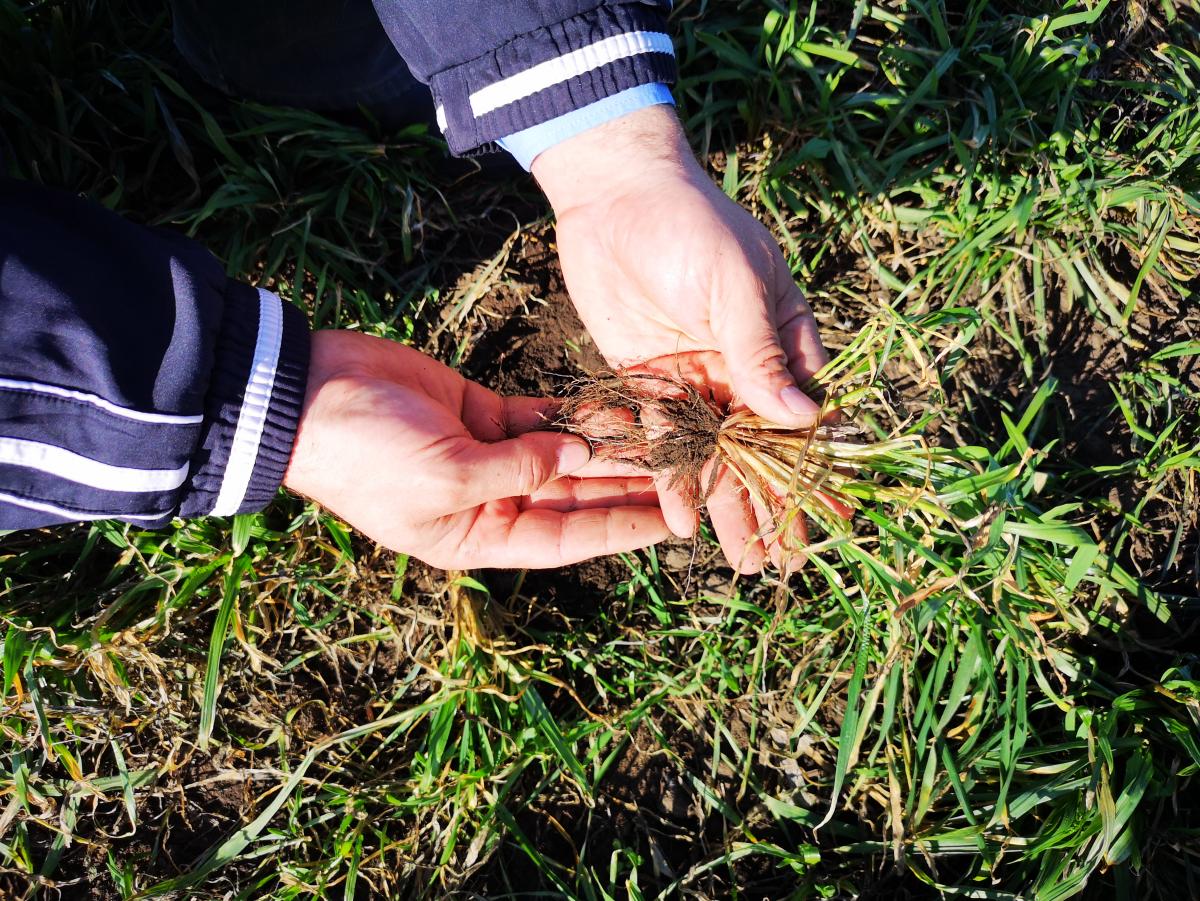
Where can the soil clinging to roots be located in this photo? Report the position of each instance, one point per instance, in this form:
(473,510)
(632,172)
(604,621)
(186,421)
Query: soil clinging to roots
(667,426)
(656,422)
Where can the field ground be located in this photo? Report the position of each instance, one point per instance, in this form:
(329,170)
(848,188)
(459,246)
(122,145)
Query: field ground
(1006,195)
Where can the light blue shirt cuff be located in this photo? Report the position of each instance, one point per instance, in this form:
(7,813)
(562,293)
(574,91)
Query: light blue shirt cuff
(525,145)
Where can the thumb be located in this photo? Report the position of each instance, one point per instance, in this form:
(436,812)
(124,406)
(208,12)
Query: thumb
(519,466)
(758,367)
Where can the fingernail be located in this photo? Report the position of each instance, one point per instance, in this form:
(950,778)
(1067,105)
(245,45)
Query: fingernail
(572,456)
(798,402)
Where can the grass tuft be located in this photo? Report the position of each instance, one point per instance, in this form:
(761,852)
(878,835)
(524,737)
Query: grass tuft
(986,687)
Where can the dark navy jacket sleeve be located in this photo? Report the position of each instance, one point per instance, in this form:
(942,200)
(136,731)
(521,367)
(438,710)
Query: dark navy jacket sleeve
(137,381)
(497,67)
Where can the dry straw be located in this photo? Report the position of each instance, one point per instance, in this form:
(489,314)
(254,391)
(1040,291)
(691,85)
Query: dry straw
(826,472)
(896,497)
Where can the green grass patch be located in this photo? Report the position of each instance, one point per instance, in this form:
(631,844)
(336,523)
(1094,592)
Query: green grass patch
(995,210)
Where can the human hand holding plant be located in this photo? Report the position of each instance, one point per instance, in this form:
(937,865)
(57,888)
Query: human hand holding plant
(427,462)
(669,275)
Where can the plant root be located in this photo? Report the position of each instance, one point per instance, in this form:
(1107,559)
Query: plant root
(666,425)
(661,424)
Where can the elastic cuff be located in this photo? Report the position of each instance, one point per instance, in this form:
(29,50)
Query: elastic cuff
(550,73)
(526,145)
(253,405)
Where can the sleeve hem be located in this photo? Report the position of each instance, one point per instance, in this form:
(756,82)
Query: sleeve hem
(253,407)
(552,72)
(528,144)
(274,449)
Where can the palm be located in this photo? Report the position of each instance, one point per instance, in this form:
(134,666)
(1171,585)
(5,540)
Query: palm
(424,461)
(649,285)
(677,294)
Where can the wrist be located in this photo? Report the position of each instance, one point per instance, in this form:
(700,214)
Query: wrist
(335,357)
(614,158)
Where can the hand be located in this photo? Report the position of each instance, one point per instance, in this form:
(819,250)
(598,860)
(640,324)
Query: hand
(669,275)
(430,464)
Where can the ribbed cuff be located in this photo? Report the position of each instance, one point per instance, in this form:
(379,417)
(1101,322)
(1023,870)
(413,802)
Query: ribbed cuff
(527,145)
(552,72)
(253,406)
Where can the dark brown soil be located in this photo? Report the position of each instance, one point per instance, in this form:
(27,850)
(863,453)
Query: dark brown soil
(645,803)
(528,339)
(523,336)
(660,423)
(1088,362)
(176,828)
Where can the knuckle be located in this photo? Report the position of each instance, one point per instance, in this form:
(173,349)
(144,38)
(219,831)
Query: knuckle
(769,357)
(531,473)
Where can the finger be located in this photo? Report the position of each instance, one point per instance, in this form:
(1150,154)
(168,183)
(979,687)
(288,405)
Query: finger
(515,467)
(603,422)
(611,433)
(541,538)
(838,508)
(799,336)
(525,414)
(601,467)
(734,523)
(708,369)
(768,534)
(785,530)
(510,417)
(679,510)
(491,417)
(795,541)
(748,337)
(569,494)
(785,538)
(677,491)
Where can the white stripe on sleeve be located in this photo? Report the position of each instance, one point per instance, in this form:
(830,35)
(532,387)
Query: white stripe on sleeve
(252,418)
(553,71)
(100,402)
(66,464)
(71,515)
